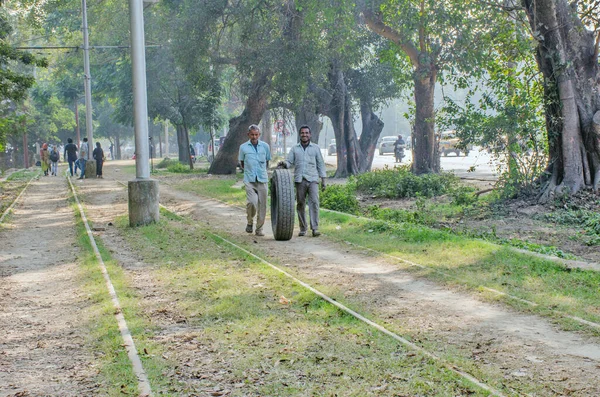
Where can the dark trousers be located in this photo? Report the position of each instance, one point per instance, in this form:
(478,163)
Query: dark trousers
(310,189)
(71,162)
(99,164)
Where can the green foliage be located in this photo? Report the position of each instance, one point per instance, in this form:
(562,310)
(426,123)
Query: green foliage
(178,168)
(463,195)
(340,198)
(401,183)
(166,162)
(420,216)
(588,221)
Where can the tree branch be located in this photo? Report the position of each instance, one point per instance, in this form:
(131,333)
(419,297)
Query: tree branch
(376,25)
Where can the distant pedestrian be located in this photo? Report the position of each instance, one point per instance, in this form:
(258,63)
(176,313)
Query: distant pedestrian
(99,157)
(309,167)
(198,151)
(254,157)
(192,153)
(54,157)
(83,157)
(112,157)
(45,159)
(70,154)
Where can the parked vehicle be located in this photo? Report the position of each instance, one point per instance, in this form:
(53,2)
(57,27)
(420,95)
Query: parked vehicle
(332,148)
(449,143)
(386,145)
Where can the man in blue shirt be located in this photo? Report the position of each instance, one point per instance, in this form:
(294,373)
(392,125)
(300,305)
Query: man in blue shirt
(254,157)
(309,169)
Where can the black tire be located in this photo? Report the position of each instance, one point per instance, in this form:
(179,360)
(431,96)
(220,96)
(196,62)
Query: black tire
(282,204)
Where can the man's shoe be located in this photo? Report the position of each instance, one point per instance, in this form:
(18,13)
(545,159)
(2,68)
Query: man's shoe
(259,233)
(80,177)
(302,233)
(316,233)
(249,229)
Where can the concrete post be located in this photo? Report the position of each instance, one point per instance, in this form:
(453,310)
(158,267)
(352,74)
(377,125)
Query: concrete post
(143,191)
(143,202)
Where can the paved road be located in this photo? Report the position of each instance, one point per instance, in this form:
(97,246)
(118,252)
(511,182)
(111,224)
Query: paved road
(478,165)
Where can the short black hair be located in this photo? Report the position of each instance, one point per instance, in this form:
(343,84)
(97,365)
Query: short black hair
(304,126)
(69,140)
(85,139)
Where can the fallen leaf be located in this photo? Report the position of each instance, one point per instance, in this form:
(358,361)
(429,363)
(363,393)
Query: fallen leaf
(283,300)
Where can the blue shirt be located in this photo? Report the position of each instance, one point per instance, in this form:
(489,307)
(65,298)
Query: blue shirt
(308,162)
(255,161)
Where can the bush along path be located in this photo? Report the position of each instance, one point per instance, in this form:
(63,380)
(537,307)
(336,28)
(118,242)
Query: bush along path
(230,326)
(44,311)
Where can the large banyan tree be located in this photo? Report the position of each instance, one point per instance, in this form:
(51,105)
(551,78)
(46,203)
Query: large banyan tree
(567,54)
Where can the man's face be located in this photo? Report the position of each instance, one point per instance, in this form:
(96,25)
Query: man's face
(253,135)
(304,135)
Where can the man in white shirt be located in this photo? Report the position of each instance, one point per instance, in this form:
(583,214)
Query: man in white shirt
(309,168)
(83,156)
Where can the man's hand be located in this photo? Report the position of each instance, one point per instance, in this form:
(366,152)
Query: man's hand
(282,165)
(323,184)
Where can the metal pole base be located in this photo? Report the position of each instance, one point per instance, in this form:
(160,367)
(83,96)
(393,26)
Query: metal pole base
(143,202)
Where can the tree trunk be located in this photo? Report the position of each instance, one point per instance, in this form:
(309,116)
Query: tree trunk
(339,111)
(308,115)
(425,150)
(77,134)
(225,162)
(371,129)
(266,126)
(117,148)
(567,56)
(183,145)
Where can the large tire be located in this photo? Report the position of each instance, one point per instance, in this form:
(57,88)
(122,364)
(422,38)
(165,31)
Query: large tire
(282,204)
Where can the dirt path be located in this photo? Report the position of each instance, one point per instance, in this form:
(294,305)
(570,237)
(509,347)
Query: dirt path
(518,349)
(42,349)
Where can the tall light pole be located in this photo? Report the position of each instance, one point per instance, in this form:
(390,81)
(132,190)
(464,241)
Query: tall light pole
(143,191)
(87,79)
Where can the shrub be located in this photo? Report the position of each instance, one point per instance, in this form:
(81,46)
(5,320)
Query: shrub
(401,183)
(164,163)
(177,167)
(340,198)
(463,195)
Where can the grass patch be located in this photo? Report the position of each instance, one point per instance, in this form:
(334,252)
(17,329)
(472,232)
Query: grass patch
(240,328)
(221,188)
(474,263)
(13,185)
(22,175)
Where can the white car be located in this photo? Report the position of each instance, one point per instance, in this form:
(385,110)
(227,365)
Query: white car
(386,146)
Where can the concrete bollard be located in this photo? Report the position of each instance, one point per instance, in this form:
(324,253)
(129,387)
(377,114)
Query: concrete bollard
(143,202)
(90,169)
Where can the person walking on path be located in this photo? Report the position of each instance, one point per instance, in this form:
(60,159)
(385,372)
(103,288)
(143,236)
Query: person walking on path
(309,167)
(45,159)
(54,157)
(70,154)
(83,156)
(98,154)
(254,157)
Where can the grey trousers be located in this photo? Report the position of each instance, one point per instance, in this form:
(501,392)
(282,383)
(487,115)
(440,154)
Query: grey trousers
(310,189)
(256,203)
